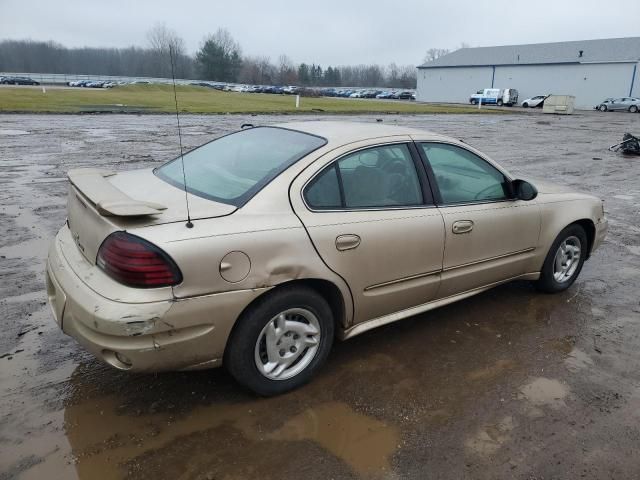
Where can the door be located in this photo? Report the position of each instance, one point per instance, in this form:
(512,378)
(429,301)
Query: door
(617,104)
(489,237)
(371,218)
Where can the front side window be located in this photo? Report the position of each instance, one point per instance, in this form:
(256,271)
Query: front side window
(235,167)
(377,177)
(463,177)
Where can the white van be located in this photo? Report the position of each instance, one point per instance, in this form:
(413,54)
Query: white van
(495,96)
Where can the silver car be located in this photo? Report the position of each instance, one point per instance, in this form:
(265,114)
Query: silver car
(630,104)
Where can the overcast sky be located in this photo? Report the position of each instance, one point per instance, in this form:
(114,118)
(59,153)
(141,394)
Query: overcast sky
(329,32)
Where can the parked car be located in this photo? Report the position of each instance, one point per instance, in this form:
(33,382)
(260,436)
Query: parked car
(535,102)
(292,241)
(384,95)
(406,96)
(630,104)
(18,81)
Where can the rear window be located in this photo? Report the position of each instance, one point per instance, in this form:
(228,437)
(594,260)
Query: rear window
(233,168)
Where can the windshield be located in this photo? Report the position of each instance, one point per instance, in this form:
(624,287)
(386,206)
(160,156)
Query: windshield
(233,168)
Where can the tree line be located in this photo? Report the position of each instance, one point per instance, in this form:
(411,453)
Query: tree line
(219,58)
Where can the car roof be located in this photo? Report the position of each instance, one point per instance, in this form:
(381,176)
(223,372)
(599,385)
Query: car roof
(343,132)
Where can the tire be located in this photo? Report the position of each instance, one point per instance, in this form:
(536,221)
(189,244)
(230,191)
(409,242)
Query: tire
(633,109)
(525,105)
(602,108)
(552,279)
(305,311)
(474,101)
(499,102)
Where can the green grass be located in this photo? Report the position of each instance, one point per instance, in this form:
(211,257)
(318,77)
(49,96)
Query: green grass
(159,99)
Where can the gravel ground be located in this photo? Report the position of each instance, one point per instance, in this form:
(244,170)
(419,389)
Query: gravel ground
(507,384)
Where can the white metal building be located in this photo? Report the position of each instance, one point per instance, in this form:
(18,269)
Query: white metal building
(590,70)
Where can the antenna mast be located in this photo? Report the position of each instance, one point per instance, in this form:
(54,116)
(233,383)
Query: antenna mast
(175,98)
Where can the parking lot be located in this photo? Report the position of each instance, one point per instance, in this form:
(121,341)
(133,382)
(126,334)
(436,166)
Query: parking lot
(510,383)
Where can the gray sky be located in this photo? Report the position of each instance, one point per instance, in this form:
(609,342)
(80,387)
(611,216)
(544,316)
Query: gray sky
(329,32)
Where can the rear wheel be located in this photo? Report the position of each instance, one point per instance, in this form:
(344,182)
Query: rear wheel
(281,341)
(474,101)
(564,260)
(499,103)
(633,109)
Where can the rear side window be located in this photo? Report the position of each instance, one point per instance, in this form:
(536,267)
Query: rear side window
(377,177)
(235,167)
(324,191)
(462,176)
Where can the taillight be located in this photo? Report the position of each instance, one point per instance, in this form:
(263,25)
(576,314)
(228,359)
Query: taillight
(135,262)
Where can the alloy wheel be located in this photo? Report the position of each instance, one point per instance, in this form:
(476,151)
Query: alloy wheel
(287,344)
(567,259)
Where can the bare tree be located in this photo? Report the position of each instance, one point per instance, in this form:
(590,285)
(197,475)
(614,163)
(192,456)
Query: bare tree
(163,43)
(286,71)
(434,53)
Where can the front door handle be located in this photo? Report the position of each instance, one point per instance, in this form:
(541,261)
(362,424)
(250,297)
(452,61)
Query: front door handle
(347,242)
(462,226)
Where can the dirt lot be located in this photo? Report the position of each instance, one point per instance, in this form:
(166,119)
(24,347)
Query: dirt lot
(508,384)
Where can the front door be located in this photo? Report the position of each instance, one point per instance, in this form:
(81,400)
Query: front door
(373,222)
(490,237)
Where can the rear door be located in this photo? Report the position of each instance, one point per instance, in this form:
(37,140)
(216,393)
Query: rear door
(489,237)
(371,217)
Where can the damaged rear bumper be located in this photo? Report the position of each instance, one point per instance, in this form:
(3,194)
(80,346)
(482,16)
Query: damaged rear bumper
(174,334)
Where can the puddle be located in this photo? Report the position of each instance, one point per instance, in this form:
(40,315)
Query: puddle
(577,360)
(545,391)
(492,371)
(634,249)
(363,442)
(490,438)
(13,132)
(562,345)
(105,442)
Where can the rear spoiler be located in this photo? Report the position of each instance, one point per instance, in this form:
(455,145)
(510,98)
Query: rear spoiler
(108,200)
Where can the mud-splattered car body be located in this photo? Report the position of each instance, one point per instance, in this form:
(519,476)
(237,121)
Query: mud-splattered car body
(372,262)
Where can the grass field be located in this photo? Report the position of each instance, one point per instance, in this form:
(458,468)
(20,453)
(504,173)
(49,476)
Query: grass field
(159,99)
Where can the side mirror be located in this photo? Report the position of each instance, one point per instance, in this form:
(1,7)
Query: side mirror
(523,190)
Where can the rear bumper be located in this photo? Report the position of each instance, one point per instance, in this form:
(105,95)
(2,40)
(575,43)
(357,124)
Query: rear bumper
(174,334)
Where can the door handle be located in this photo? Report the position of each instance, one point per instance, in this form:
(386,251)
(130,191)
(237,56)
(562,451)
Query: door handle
(462,226)
(347,242)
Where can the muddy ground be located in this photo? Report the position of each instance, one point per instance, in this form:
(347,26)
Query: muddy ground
(507,384)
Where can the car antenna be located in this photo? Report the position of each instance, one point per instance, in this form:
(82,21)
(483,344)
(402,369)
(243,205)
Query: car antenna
(184,175)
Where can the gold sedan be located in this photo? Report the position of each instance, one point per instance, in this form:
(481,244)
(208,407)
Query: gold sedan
(259,248)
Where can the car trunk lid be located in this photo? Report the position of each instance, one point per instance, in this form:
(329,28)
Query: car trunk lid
(101,202)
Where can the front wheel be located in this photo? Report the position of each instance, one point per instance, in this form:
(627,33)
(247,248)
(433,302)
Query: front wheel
(602,108)
(564,260)
(525,105)
(633,109)
(474,101)
(499,103)
(281,341)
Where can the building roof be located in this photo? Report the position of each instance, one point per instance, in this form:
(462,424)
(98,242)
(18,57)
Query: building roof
(593,51)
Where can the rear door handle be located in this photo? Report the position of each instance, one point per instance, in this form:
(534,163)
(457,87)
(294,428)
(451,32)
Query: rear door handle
(347,242)
(462,226)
